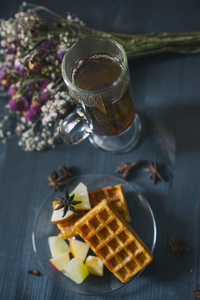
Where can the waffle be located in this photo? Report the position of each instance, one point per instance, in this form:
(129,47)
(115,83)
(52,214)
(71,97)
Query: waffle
(113,241)
(67,228)
(67,231)
(113,194)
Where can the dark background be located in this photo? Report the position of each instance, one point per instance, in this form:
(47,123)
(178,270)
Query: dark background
(167,95)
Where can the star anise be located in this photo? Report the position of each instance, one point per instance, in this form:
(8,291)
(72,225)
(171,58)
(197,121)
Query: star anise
(65,171)
(127,167)
(197,293)
(175,246)
(67,202)
(153,172)
(59,182)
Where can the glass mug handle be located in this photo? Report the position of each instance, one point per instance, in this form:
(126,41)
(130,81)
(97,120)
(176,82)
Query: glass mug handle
(74,128)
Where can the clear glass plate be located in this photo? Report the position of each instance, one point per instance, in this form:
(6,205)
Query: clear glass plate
(142,220)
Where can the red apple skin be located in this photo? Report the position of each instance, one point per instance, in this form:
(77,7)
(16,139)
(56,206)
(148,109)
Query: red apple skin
(54,266)
(60,260)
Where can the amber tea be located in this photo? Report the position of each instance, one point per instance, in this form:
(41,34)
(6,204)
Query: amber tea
(97,73)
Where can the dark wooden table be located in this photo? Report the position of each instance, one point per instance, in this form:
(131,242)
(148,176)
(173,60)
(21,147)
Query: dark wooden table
(167,95)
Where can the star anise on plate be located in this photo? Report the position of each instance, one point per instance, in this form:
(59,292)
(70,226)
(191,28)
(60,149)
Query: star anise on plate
(127,167)
(67,202)
(197,293)
(153,170)
(58,182)
(175,246)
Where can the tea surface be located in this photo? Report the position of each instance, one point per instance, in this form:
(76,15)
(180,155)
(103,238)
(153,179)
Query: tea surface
(96,72)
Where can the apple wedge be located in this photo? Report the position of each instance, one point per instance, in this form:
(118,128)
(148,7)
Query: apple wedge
(57,215)
(78,249)
(81,194)
(57,245)
(60,260)
(94,265)
(75,270)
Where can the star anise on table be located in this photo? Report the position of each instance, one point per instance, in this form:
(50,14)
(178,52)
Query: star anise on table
(153,170)
(197,293)
(175,246)
(67,202)
(127,167)
(58,182)
(65,171)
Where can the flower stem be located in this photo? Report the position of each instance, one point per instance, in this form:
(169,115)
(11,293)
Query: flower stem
(141,45)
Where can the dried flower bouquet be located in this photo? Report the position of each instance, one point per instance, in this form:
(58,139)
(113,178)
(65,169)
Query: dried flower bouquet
(32,48)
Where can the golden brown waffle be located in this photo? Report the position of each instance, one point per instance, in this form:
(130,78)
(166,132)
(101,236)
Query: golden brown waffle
(67,231)
(67,228)
(113,194)
(113,240)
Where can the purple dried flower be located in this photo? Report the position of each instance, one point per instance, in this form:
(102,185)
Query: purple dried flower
(45,45)
(4,83)
(3,71)
(18,103)
(35,63)
(12,89)
(29,95)
(34,111)
(61,53)
(30,86)
(19,67)
(42,84)
(45,95)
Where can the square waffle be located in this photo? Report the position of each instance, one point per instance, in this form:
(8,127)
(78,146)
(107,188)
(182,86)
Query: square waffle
(113,241)
(67,231)
(113,194)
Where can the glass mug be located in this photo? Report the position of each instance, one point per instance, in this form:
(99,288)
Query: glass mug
(95,70)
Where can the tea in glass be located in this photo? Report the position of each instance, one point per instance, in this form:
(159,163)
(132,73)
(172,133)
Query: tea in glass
(97,73)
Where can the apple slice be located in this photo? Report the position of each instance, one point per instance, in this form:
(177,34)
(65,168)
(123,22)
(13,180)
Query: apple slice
(81,194)
(57,245)
(57,216)
(75,270)
(94,265)
(78,249)
(60,260)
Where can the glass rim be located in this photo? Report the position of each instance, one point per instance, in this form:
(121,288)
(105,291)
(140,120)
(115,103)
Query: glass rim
(114,84)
